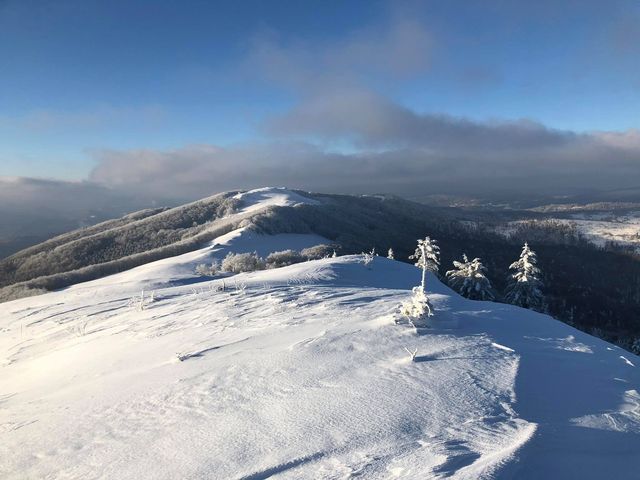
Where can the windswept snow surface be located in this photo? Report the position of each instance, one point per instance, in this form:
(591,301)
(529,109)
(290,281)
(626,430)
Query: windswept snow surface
(301,372)
(260,198)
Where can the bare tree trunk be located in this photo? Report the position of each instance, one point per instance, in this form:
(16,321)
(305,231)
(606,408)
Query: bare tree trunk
(424,266)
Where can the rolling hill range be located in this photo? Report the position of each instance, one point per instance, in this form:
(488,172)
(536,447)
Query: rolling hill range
(351,222)
(302,372)
(591,288)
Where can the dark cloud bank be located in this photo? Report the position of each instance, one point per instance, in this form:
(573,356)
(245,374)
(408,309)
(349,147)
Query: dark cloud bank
(391,149)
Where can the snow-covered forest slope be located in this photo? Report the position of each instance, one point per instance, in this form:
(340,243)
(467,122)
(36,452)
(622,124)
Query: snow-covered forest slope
(301,372)
(593,289)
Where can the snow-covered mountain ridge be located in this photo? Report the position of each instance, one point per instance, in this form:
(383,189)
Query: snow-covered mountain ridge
(136,239)
(301,372)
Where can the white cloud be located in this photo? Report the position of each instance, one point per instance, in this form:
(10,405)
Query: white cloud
(98,117)
(399,49)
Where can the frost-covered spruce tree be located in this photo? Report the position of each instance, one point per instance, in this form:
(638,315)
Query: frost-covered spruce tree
(523,287)
(469,279)
(390,254)
(427,257)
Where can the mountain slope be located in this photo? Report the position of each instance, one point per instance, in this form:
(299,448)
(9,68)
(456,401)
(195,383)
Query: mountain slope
(301,372)
(592,289)
(150,235)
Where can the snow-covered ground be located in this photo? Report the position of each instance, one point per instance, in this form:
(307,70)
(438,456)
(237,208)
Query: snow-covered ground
(301,372)
(599,227)
(271,196)
(623,229)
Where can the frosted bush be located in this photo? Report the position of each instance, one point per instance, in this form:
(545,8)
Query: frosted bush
(208,270)
(418,308)
(318,251)
(368,257)
(242,262)
(283,258)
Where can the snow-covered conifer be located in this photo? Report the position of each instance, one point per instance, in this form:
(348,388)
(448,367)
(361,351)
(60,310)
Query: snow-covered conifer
(523,288)
(390,254)
(427,257)
(419,308)
(469,279)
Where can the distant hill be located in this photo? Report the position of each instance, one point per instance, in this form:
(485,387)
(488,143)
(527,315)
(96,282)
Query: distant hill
(152,234)
(591,288)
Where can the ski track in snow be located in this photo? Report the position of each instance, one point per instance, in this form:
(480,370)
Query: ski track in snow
(301,372)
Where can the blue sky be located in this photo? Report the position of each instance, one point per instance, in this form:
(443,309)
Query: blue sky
(79,78)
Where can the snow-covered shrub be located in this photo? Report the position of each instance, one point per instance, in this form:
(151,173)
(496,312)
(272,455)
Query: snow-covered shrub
(142,301)
(318,251)
(418,308)
(390,254)
(242,262)
(523,288)
(283,258)
(208,270)
(367,257)
(240,288)
(469,279)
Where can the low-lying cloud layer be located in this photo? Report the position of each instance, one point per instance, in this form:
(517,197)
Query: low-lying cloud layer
(390,149)
(345,133)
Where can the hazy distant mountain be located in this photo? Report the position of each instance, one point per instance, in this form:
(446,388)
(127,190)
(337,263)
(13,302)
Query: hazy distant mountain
(33,210)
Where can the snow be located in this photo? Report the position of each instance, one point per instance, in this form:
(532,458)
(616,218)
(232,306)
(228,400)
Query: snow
(261,198)
(597,227)
(302,372)
(182,268)
(623,229)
